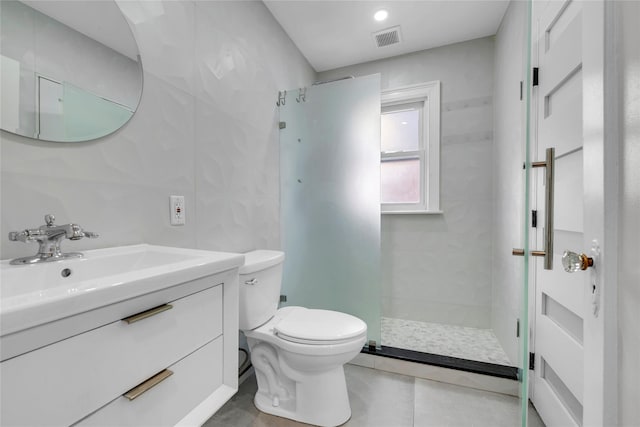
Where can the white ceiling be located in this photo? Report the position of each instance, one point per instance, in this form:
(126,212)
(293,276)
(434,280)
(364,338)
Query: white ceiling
(333,34)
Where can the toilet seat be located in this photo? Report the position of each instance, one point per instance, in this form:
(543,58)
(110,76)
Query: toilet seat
(303,345)
(318,327)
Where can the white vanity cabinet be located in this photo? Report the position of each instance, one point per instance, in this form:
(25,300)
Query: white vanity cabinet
(165,358)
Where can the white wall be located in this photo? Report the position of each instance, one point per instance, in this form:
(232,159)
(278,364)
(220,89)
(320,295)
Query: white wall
(508,178)
(438,267)
(629,239)
(206,128)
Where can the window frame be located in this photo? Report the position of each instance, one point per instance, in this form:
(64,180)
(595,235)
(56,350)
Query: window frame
(429,145)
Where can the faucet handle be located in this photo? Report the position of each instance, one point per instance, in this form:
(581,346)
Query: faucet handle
(25,236)
(49,219)
(16,236)
(74,232)
(78,233)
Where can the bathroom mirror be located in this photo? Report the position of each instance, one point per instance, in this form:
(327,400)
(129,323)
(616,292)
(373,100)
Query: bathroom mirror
(71,70)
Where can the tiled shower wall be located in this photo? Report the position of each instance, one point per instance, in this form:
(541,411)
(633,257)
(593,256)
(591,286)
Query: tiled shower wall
(206,128)
(437,268)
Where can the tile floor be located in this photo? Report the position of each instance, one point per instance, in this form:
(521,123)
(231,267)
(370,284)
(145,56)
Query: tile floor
(383,399)
(447,340)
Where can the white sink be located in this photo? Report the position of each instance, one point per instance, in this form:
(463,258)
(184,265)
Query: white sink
(31,295)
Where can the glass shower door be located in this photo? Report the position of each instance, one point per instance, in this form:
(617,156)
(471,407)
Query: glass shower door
(526,294)
(330,198)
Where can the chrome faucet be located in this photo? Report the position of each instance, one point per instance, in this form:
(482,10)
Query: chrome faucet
(49,237)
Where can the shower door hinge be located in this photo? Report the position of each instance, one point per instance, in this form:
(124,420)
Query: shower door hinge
(532,361)
(534,218)
(536,72)
(282,125)
(518,328)
(283,298)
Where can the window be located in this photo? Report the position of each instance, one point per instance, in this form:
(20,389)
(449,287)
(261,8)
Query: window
(410,149)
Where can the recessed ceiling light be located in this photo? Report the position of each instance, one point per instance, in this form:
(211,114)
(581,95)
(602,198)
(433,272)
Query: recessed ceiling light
(381,15)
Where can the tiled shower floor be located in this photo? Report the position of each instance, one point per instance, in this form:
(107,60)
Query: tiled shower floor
(448,340)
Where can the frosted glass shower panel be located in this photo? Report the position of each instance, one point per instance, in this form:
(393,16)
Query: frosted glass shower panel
(88,116)
(330,198)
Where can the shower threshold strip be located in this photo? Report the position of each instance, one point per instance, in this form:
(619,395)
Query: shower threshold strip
(484,368)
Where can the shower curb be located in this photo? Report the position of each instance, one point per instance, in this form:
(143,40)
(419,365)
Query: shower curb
(477,367)
(451,370)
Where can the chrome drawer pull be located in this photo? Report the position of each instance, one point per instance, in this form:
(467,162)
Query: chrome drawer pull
(148,313)
(139,390)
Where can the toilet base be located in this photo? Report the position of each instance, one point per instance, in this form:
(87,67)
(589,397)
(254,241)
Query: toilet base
(320,399)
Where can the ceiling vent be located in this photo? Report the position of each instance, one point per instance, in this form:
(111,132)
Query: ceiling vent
(387,36)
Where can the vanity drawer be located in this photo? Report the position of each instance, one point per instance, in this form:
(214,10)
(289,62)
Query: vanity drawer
(71,378)
(193,379)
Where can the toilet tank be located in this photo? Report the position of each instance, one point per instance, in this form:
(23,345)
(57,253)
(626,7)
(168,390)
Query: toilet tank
(260,284)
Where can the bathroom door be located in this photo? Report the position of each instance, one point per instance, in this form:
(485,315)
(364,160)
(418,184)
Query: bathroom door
(330,198)
(568,384)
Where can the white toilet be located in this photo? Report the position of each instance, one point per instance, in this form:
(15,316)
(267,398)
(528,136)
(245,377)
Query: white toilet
(298,353)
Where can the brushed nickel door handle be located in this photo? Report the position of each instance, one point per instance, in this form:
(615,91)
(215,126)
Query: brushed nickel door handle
(547,253)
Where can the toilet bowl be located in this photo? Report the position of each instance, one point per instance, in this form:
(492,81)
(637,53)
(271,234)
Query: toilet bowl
(298,353)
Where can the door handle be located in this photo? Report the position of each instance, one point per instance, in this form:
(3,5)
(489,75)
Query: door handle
(573,262)
(547,252)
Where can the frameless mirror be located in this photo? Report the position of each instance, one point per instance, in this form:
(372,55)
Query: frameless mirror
(71,70)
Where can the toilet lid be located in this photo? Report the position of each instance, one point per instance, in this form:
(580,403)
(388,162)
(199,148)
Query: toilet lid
(320,326)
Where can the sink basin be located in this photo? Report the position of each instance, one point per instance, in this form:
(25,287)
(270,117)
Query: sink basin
(31,295)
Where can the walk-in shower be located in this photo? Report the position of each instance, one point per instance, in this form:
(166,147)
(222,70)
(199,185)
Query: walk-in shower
(437,286)
(397,272)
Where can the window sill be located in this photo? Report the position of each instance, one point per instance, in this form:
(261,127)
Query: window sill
(412,212)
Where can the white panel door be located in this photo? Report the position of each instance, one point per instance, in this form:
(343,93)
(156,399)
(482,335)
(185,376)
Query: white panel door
(559,299)
(50,120)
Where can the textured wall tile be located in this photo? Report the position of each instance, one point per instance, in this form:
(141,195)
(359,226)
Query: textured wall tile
(238,76)
(157,145)
(164,31)
(121,213)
